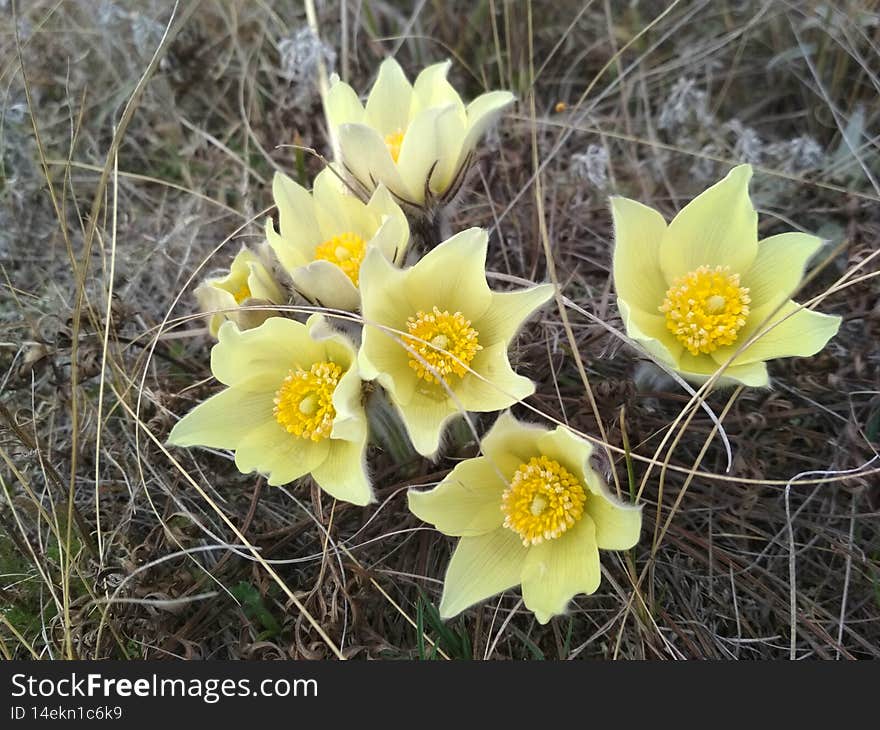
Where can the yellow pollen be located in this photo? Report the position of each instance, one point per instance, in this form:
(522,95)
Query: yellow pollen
(393,142)
(243,292)
(445,341)
(304,402)
(706,308)
(346,250)
(543,500)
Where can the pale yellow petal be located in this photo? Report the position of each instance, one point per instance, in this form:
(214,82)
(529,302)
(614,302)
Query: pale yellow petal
(482,113)
(432,89)
(638,231)
(450,131)
(343,105)
(288,255)
(466,503)
(320,328)
(383,295)
(557,570)
(350,423)
(281,456)
(481,567)
(779,267)
(338,345)
(215,322)
(391,238)
(325,284)
(423,153)
(344,474)
(241,263)
(250,314)
(237,275)
(419,152)
(511,443)
(393,224)
(219,295)
(225,419)
(493,385)
(753,375)
(384,305)
(271,349)
(296,213)
(367,158)
(387,108)
(717,228)
(452,276)
(571,451)
(338,210)
(217,303)
(384,358)
(650,331)
(698,369)
(486,108)
(508,311)
(618,525)
(425,418)
(262,284)
(791,332)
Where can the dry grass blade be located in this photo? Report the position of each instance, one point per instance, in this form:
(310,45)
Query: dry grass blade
(137,146)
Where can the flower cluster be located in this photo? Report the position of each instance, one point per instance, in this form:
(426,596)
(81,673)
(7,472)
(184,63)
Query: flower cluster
(701,295)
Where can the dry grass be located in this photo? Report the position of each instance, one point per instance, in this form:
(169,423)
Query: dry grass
(124,181)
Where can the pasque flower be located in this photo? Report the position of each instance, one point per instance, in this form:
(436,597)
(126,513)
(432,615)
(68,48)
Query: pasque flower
(695,292)
(291,406)
(324,235)
(436,337)
(249,281)
(416,139)
(530,511)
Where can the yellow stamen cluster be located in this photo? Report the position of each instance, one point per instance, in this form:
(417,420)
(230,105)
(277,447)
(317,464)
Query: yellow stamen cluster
(706,308)
(445,342)
(243,292)
(394,142)
(304,402)
(347,251)
(543,500)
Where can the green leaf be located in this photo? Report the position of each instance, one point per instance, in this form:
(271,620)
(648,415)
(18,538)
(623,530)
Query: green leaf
(533,648)
(455,642)
(252,604)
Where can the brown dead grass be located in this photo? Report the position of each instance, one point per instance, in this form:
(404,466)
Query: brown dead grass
(113,546)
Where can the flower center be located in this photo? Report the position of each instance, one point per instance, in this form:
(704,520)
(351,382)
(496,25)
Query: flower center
(304,402)
(243,292)
(393,142)
(706,308)
(346,250)
(445,342)
(543,500)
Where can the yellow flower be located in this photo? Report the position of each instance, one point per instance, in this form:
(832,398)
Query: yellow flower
(694,291)
(530,511)
(439,318)
(292,406)
(249,281)
(324,236)
(418,138)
